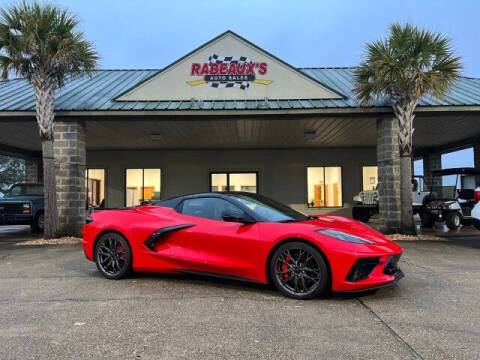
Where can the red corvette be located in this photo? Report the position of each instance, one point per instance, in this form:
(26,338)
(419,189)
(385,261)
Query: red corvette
(242,236)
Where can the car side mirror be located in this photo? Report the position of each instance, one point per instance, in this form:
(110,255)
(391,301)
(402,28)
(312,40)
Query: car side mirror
(236,216)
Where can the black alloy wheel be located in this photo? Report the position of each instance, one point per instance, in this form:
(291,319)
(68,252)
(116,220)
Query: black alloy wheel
(298,270)
(113,256)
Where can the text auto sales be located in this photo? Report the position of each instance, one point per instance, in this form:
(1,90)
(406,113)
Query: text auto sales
(229,71)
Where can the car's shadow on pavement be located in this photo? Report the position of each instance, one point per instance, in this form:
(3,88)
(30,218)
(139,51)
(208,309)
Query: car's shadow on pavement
(189,279)
(235,285)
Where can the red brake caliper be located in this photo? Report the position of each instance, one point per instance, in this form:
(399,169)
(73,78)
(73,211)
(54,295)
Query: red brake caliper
(288,259)
(121,250)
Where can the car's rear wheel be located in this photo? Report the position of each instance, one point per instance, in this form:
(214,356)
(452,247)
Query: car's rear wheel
(298,270)
(113,256)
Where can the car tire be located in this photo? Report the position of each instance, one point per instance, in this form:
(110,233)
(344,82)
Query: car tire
(427,220)
(38,224)
(453,220)
(299,270)
(466,222)
(360,214)
(113,256)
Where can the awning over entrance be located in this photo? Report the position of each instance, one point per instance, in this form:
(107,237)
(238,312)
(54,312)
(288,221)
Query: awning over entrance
(437,130)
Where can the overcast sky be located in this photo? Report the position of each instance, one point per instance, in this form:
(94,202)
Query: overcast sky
(154,33)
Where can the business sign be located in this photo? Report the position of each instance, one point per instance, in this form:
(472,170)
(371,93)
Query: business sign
(228,68)
(229,72)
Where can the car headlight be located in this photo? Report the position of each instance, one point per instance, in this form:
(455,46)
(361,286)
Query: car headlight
(26,208)
(340,235)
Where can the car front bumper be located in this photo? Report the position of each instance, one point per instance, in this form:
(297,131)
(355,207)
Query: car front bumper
(366,271)
(398,275)
(15,219)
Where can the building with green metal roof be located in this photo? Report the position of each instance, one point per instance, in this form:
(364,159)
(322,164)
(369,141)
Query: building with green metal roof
(228,116)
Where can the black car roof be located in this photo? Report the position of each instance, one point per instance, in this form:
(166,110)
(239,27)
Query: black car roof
(202,194)
(455,171)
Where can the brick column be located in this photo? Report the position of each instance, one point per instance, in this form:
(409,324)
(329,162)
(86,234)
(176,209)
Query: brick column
(432,161)
(70,158)
(33,170)
(388,161)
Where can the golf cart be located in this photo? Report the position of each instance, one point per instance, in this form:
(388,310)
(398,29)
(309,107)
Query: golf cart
(365,204)
(451,198)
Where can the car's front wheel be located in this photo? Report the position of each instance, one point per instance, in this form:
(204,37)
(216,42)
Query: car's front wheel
(38,224)
(298,270)
(428,220)
(113,256)
(453,220)
(361,214)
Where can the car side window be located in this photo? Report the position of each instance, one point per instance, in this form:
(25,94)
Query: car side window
(209,208)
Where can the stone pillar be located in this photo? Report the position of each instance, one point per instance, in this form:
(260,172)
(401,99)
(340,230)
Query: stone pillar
(33,170)
(431,161)
(70,158)
(388,161)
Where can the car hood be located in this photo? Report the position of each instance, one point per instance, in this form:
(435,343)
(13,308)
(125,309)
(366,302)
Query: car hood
(19,198)
(348,226)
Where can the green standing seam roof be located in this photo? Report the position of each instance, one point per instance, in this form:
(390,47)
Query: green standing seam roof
(99,91)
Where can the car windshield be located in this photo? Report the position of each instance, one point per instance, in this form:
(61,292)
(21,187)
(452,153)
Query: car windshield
(26,190)
(446,187)
(268,209)
(440,192)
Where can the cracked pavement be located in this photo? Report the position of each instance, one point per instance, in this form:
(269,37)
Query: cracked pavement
(54,304)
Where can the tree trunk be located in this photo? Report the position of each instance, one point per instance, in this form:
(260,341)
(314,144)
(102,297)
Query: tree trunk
(50,191)
(44,96)
(405,115)
(407,225)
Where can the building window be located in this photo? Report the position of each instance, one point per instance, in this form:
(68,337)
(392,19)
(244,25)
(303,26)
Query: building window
(142,185)
(95,186)
(370,177)
(234,181)
(324,186)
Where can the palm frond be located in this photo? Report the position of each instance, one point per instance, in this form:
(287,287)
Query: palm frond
(43,38)
(408,64)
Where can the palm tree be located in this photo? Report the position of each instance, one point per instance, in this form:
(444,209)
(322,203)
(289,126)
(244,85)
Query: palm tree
(41,43)
(408,64)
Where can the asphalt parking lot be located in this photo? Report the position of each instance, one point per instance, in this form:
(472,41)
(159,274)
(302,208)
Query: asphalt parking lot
(54,304)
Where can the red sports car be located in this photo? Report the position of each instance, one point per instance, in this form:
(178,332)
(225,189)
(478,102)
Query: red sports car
(242,236)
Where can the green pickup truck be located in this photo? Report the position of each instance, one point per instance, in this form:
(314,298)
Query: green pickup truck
(23,204)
